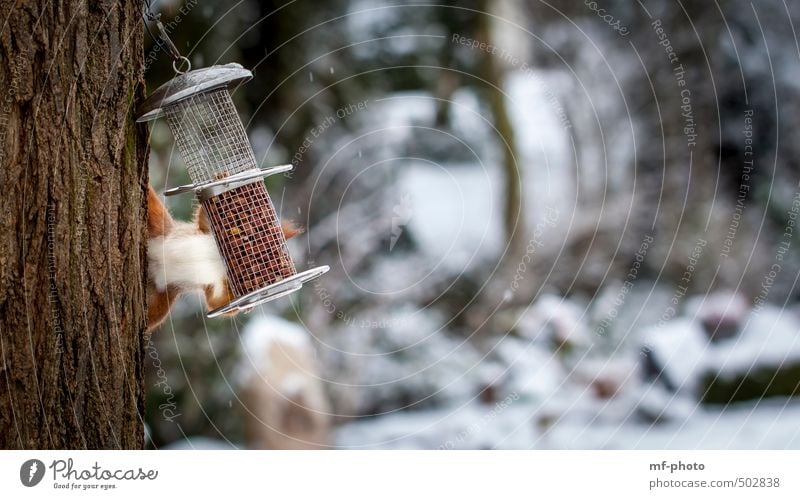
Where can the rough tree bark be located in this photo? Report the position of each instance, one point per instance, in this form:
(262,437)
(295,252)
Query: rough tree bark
(72,240)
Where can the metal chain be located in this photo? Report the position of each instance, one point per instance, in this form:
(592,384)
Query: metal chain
(163,40)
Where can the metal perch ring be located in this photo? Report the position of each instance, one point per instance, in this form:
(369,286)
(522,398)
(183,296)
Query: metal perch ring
(182,60)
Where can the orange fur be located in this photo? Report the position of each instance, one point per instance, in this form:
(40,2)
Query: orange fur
(290,229)
(214,302)
(160,223)
(158,305)
(201,219)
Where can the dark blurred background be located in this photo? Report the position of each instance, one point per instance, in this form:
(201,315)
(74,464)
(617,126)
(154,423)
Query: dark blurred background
(549,225)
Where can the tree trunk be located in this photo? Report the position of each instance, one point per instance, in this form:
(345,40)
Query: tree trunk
(72,232)
(492,73)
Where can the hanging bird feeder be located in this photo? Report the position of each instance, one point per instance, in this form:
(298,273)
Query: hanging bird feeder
(228,183)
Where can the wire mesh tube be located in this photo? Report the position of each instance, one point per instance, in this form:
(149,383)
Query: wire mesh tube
(210,136)
(249,237)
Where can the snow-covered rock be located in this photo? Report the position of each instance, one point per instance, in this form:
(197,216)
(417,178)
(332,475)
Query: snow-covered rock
(722,314)
(676,352)
(557,320)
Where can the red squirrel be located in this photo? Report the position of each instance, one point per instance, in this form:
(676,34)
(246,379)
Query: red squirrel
(183,257)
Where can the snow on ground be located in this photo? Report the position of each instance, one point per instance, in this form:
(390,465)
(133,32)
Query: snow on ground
(558,319)
(408,361)
(552,400)
(770,336)
(768,425)
(521,425)
(472,426)
(678,348)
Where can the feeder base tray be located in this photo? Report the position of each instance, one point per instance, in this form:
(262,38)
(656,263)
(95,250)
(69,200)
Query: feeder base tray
(271,292)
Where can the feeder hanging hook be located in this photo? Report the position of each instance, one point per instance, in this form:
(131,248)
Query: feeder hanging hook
(163,40)
(177,58)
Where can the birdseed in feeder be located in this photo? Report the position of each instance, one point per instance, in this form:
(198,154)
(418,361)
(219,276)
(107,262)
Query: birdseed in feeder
(249,237)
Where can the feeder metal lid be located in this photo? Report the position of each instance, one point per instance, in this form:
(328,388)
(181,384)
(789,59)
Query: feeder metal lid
(189,84)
